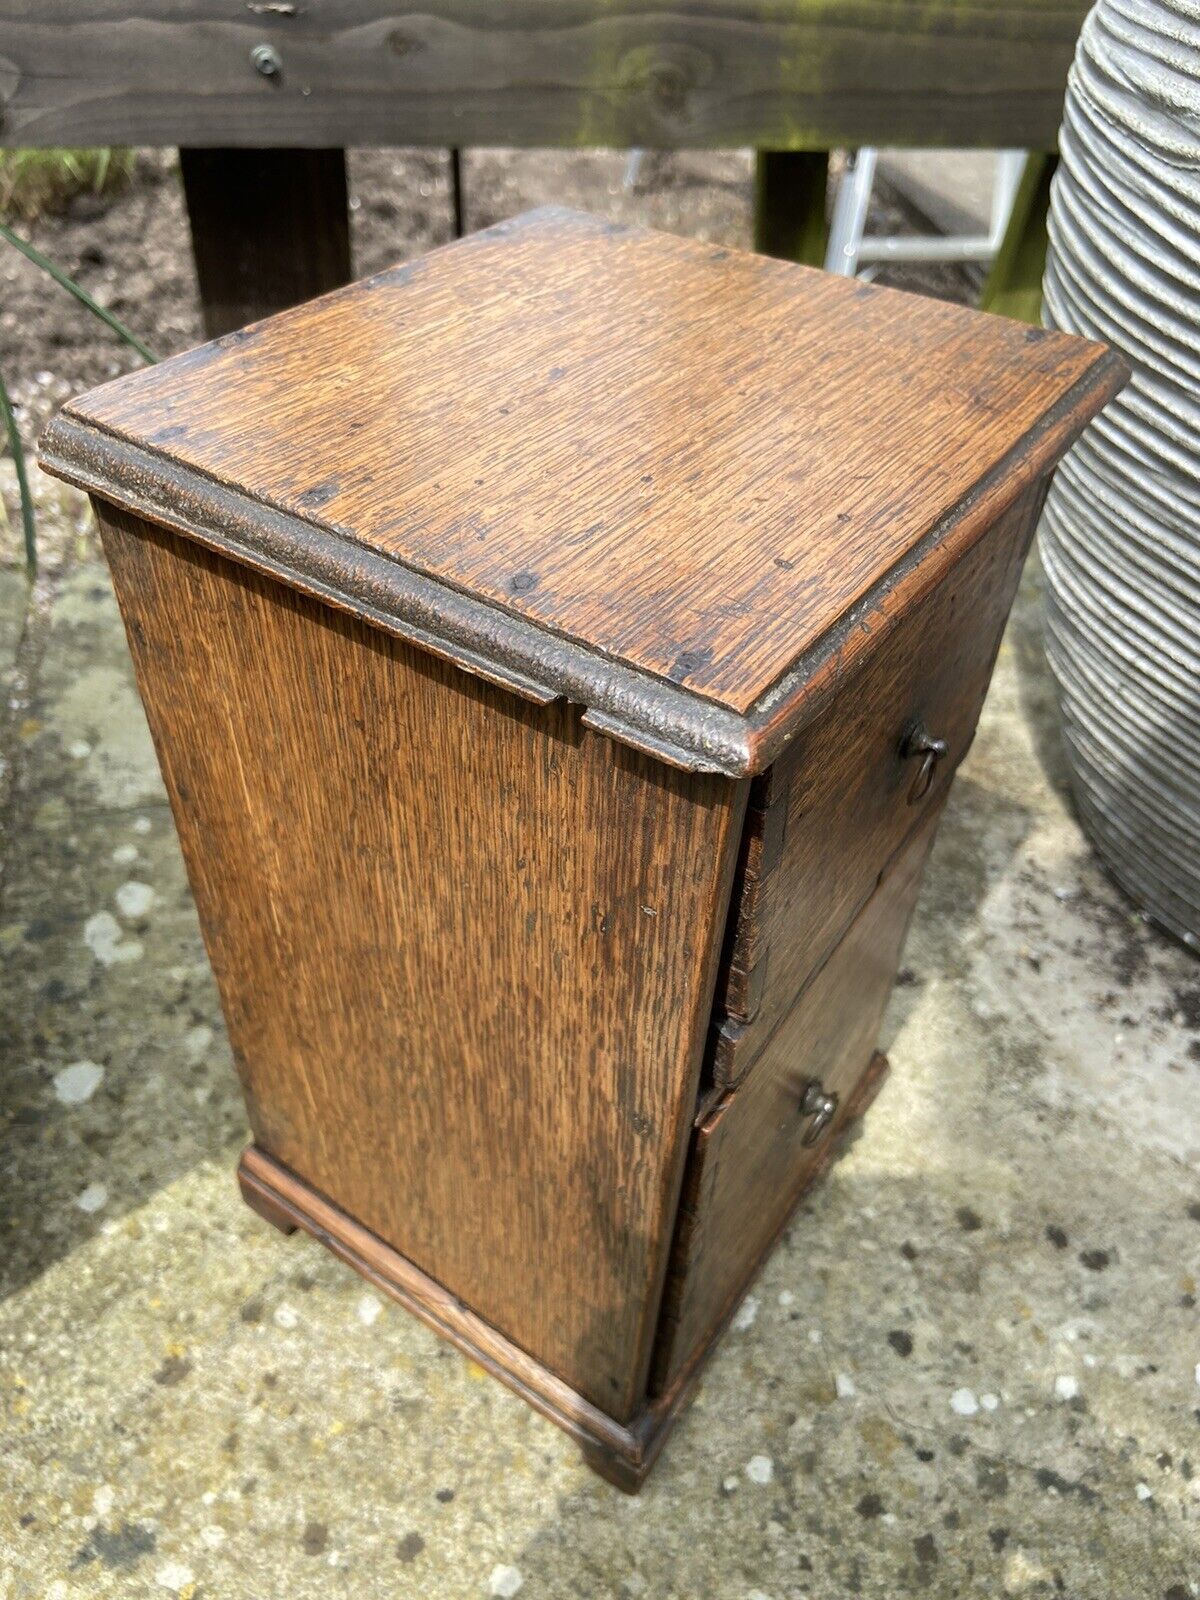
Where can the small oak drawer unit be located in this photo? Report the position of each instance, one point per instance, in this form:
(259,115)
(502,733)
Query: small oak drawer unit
(558,650)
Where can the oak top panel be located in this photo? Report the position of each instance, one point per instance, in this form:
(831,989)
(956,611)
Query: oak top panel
(690,461)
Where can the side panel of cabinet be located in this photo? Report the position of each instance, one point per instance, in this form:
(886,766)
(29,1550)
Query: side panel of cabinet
(466,948)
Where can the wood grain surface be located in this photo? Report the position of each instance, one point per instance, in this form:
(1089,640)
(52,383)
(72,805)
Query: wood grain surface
(690,460)
(749,1163)
(827,819)
(465,946)
(816,73)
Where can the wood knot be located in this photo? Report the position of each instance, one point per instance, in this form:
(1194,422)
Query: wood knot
(665,75)
(401,43)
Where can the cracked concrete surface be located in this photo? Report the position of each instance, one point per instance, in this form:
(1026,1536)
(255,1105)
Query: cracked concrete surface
(973,1367)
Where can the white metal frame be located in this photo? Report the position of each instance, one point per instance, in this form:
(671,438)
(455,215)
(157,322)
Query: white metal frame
(850,249)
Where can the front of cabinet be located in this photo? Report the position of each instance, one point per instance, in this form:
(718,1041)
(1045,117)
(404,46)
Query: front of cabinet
(761,1147)
(834,844)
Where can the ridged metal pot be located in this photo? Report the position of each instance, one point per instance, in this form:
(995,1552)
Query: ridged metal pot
(1120,537)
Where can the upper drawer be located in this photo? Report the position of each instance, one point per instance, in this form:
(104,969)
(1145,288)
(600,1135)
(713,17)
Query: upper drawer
(829,816)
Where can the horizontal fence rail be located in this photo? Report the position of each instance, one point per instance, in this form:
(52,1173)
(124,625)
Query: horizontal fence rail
(809,74)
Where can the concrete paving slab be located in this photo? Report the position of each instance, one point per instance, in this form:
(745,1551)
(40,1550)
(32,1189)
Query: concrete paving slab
(14,596)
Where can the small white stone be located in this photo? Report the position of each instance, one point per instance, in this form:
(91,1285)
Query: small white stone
(103,937)
(213,1536)
(757,1594)
(814,1336)
(100,933)
(1144,1491)
(747,1314)
(285,1316)
(730,1483)
(1198,1372)
(1065,1386)
(94,1198)
(102,1500)
(209,1497)
(125,854)
(134,899)
(963,1402)
(79,749)
(141,825)
(368,1309)
(845,1386)
(197,1040)
(174,1576)
(78,1082)
(989,1402)
(505,1581)
(1022,1571)
(786,1297)
(760,1469)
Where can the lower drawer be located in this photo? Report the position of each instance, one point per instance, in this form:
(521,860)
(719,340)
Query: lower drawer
(755,1153)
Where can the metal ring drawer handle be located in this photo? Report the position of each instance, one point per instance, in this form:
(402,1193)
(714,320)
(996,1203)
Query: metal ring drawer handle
(821,1107)
(919,742)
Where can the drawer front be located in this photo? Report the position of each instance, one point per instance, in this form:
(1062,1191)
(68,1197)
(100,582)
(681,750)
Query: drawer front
(829,816)
(750,1162)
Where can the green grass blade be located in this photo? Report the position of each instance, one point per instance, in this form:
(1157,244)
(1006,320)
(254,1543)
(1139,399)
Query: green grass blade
(18,455)
(60,277)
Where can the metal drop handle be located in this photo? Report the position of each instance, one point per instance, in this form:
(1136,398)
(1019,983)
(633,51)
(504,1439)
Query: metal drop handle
(821,1107)
(919,742)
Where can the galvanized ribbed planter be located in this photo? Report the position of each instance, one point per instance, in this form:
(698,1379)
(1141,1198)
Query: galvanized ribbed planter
(1120,537)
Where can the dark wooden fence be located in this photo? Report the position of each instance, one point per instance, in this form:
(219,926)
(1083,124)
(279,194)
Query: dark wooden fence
(273,90)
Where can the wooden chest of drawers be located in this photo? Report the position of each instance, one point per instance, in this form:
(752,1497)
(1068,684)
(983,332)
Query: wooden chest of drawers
(558,651)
